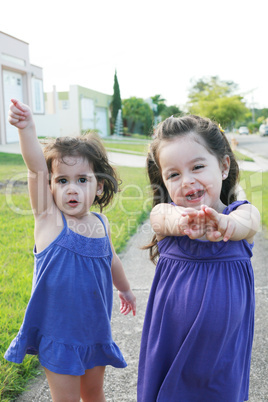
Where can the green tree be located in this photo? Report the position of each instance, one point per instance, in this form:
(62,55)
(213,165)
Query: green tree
(160,103)
(215,99)
(171,110)
(116,103)
(261,114)
(163,110)
(211,88)
(137,111)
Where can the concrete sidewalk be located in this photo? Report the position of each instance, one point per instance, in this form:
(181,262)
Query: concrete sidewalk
(120,384)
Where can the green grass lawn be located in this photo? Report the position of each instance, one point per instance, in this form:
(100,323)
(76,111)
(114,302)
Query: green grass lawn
(136,148)
(242,157)
(142,148)
(16,268)
(255,185)
(129,208)
(12,165)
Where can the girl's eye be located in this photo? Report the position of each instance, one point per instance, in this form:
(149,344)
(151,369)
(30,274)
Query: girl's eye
(197,167)
(82,180)
(172,175)
(62,181)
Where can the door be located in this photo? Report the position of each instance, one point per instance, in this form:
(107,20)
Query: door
(101,121)
(12,89)
(87,111)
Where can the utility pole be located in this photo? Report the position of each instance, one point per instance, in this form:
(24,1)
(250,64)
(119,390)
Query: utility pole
(252,102)
(252,109)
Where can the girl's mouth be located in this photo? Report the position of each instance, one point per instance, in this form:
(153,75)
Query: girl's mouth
(72,203)
(194,195)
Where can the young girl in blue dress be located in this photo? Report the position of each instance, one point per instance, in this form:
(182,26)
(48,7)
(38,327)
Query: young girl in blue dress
(67,321)
(198,330)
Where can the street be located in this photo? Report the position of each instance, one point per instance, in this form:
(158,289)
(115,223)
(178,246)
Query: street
(252,142)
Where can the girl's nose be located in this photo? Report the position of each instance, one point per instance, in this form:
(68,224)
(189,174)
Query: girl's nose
(187,179)
(72,189)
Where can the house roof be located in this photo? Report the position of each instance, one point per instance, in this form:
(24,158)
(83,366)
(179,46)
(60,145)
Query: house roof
(4,33)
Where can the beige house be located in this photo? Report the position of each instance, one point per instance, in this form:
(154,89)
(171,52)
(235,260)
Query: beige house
(18,79)
(55,113)
(74,112)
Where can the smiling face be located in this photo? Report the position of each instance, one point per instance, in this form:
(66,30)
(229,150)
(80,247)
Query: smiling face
(191,174)
(74,185)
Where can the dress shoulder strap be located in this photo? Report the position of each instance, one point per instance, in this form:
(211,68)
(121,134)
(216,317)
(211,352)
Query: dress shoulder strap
(100,218)
(64,220)
(232,207)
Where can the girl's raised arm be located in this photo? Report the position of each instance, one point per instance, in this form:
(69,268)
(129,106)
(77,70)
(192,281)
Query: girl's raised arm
(21,117)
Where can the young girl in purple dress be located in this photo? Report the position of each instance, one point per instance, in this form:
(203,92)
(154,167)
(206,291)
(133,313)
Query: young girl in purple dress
(67,321)
(198,330)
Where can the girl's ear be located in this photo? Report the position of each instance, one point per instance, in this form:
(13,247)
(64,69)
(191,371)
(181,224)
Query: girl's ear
(100,185)
(225,167)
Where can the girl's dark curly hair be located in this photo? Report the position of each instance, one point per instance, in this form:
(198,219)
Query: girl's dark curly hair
(215,142)
(90,148)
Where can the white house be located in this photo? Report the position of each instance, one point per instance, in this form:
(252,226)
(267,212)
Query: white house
(74,112)
(55,113)
(19,79)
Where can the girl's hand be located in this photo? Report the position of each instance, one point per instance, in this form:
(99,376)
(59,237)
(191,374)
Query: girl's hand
(127,302)
(218,225)
(20,115)
(193,223)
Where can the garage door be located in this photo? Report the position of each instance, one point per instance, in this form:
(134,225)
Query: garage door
(87,110)
(12,89)
(101,121)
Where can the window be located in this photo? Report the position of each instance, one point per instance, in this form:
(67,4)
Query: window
(13,59)
(38,96)
(65,104)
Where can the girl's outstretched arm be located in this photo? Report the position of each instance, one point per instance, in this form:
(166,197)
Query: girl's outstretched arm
(126,296)
(170,220)
(21,117)
(243,223)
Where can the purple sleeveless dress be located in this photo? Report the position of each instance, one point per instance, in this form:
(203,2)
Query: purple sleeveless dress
(198,330)
(67,321)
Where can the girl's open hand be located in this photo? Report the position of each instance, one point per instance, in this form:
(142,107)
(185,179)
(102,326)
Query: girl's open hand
(20,115)
(206,221)
(193,223)
(127,302)
(218,225)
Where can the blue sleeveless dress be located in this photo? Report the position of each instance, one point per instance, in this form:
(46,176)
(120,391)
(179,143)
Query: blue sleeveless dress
(67,320)
(198,330)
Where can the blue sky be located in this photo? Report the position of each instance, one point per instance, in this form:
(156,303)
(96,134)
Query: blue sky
(157,47)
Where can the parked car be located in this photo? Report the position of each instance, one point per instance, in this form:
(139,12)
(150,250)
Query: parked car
(263,129)
(243,130)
